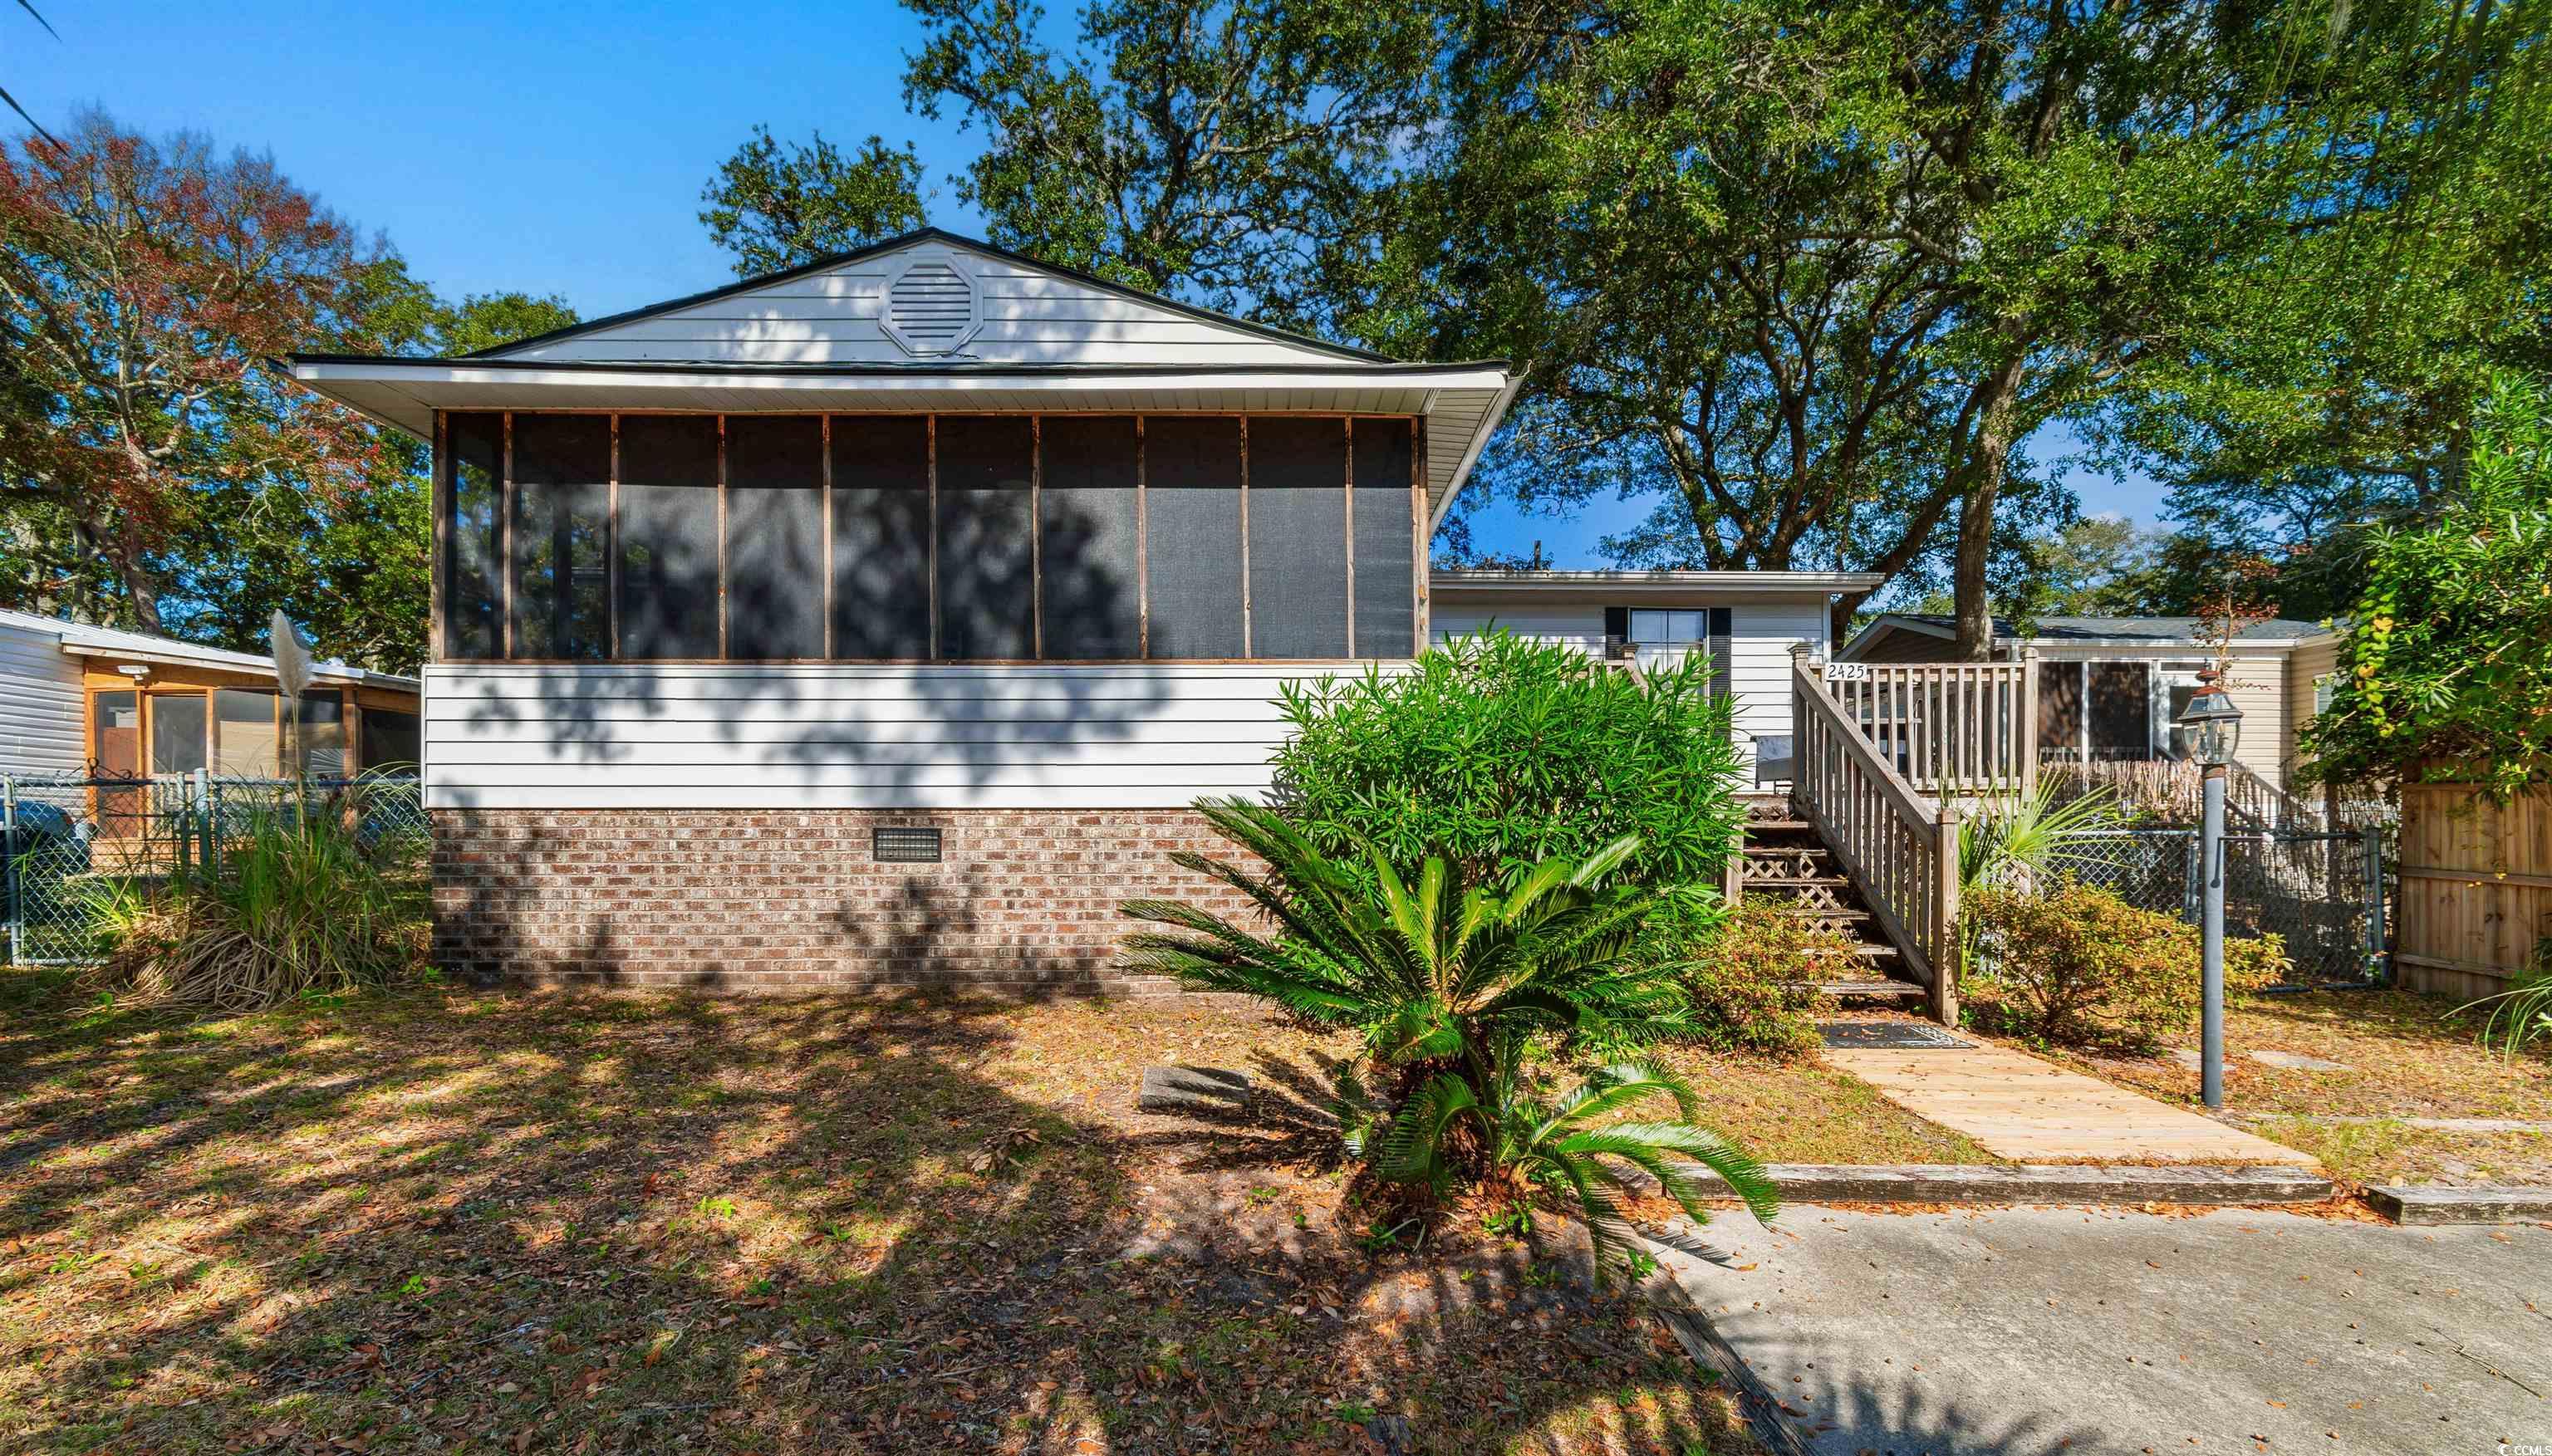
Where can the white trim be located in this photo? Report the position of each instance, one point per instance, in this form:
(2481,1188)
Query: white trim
(1609,586)
(1471,456)
(1132,381)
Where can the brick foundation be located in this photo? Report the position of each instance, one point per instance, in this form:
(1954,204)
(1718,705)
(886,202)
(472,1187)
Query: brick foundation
(1022,901)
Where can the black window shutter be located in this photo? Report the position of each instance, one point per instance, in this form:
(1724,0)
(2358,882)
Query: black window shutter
(1721,624)
(1617,624)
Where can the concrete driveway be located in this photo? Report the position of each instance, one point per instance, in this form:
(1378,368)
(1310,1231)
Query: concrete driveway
(2077,1330)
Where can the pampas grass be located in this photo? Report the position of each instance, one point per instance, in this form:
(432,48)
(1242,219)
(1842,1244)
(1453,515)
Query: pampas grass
(298,905)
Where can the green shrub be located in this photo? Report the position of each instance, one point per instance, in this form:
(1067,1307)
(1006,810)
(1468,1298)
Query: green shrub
(1455,990)
(298,905)
(2080,964)
(1749,971)
(1498,752)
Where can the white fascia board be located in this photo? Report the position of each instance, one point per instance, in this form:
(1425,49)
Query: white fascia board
(1137,381)
(1472,454)
(1592,586)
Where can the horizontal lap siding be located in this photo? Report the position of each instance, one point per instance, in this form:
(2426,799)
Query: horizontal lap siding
(42,728)
(1762,635)
(504,736)
(1569,624)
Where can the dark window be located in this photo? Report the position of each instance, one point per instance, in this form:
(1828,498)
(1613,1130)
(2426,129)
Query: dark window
(2060,708)
(880,536)
(774,536)
(391,741)
(985,604)
(561,503)
(669,564)
(2121,710)
(474,480)
(319,739)
(1298,538)
(1086,537)
(1192,477)
(1386,608)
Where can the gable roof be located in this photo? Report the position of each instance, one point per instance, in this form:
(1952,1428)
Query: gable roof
(870,261)
(983,330)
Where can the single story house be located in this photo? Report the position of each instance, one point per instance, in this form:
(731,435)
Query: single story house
(1747,621)
(875,622)
(2109,687)
(80,702)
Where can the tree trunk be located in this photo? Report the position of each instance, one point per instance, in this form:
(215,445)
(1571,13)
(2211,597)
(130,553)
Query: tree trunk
(1974,642)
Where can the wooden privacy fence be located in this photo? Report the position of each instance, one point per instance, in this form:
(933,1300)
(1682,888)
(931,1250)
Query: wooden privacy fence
(1947,728)
(2476,890)
(1899,848)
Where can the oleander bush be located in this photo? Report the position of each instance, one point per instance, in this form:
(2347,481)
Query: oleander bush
(1497,751)
(2075,966)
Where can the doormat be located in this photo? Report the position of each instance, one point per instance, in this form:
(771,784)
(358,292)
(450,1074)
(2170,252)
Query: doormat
(1889,1036)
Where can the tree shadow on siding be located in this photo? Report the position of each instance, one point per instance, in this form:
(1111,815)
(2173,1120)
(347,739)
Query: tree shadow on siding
(612,1223)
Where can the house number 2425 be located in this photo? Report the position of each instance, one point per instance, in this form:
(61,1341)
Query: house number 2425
(1846,671)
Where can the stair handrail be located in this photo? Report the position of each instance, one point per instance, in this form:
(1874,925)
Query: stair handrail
(1899,849)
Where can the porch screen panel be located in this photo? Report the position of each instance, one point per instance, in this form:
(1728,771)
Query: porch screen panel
(986,576)
(1386,604)
(391,740)
(669,541)
(247,734)
(1298,537)
(1086,537)
(319,739)
(880,536)
(562,504)
(178,732)
(2059,708)
(774,536)
(473,483)
(2121,710)
(1192,484)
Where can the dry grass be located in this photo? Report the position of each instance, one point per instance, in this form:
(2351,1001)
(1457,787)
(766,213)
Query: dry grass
(2405,1059)
(479,1222)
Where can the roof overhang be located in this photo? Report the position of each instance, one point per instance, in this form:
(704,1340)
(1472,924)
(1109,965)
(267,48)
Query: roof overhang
(174,655)
(1625,585)
(1462,402)
(2004,642)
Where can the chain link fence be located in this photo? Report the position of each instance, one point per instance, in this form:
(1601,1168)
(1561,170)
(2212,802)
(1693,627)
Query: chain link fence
(2321,893)
(75,849)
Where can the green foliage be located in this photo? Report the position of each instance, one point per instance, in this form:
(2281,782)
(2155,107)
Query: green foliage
(1747,973)
(301,903)
(2077,965)
(1499,752)
(2521,1015)
(2446,667)
(775,209)
(1456,986)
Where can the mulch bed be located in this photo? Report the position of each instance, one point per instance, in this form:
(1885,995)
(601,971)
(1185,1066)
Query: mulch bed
(486,1222)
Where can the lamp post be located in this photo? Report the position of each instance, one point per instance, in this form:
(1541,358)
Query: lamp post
(2214,729)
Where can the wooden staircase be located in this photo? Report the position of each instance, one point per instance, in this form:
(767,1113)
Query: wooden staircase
(1785,860)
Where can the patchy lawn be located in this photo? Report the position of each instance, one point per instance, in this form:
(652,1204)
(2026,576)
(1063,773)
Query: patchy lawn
(483,1222)
(2404,1064)
(1803,1113)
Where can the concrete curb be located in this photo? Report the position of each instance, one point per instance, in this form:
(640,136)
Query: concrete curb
(2204,1185)
(2406,1203)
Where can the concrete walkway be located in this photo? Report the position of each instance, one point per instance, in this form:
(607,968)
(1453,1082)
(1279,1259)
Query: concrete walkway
(2084,1331)
(2032,1111)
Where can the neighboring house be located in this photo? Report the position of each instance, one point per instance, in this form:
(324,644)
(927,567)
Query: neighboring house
(1747,621)
(80,702)
(2109,687)
(876,621)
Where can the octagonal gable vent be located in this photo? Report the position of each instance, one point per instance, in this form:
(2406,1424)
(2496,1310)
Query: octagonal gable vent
(931,307)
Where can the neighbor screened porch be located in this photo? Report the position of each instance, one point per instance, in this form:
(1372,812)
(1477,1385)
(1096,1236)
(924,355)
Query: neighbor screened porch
(964,538)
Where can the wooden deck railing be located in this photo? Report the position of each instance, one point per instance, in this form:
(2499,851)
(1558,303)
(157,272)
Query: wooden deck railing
(1947,728)
(1899,848)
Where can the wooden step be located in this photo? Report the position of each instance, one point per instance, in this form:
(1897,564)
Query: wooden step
(1791,825)
(1868,950)
(1795,881)
(1871,990)
(1779,851)
(1822,912)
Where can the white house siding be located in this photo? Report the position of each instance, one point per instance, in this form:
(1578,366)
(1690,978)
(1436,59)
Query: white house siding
(1028,317)
(2309,661)
(1119,736)
(42,726)
(1760,634)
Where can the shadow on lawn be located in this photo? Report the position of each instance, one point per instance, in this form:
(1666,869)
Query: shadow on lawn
(596,1223)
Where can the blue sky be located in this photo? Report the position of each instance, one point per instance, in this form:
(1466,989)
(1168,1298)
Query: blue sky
(552,147)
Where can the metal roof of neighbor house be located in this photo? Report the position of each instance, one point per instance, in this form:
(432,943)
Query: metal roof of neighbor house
(79,639)
(2088,631)
(1592,584)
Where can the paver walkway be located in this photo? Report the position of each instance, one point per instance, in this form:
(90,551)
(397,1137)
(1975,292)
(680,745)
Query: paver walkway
(2020,1108)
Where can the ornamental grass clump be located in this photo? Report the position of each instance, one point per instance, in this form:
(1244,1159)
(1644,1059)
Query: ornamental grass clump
(1460,993)
(296,903)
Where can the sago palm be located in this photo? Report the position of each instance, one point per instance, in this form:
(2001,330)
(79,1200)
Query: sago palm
(1563,1147)
(1427,969)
